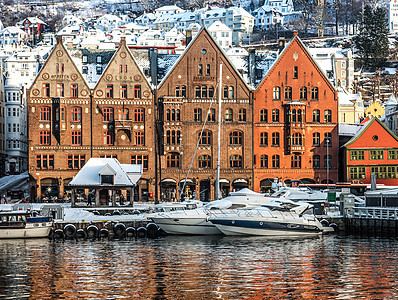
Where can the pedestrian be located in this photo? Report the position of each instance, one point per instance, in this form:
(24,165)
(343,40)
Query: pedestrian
(5,199)
(89,200)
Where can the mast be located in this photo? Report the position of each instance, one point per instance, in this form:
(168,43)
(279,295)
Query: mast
(217,185)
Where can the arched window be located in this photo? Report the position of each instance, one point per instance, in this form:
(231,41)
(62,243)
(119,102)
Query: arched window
(228,115)
(197,114)
(168,137)
(263,139)
(76,114)
(207,70)
(231,92)
(316,139)
(173,115)
(303,93)
(328,139)
(168,115)
(327,161)
(264,161)
(299,116)
(242,115)
(235,161)
(197,91)
(204,161)
(211,92)
(275,161)
(316,116)
(204,91)
(293,116)
(314,93)
(173,160)
(200,70)
(276,93)
(205,139)
(327,116)
(139,115)
(296,162)
(297,139)
(316,162)
(275,115)
(288,93)
(183,91)
(235,138)
(178,115)
(264,115)
(225,92)
(211,116)
(178,91)
(275,139)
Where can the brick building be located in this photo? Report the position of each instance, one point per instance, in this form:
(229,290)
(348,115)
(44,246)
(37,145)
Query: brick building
(69,123)
(188,102)
(373,149)
(295,113)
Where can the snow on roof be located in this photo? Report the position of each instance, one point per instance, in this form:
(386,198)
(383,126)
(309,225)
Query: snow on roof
(392,100)
(219,26)
(346,99)
(89,175)
(359,132)
(349,129)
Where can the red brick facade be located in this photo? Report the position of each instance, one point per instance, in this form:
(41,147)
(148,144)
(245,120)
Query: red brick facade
(295,108)
(373,150)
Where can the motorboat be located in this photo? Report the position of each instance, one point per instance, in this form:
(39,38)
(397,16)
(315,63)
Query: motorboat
(277,218)
(173,206)
(22,224)
(196,221)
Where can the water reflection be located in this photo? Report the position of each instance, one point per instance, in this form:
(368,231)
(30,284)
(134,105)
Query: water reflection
(200,268)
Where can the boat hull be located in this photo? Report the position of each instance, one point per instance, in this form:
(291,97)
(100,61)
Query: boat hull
(30,231)
(187,226)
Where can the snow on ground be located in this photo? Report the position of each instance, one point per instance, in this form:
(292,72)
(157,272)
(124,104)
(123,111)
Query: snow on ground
(8,180)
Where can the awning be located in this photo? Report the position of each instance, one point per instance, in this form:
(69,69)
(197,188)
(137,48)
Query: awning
(168,180)
(223,180)
(188,181)
(240,180)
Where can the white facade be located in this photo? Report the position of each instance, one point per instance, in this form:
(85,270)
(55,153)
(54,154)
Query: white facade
(12,35)
(169,9)
(268,17)
(108,22)
(393,16)
(2,124)
(221,33)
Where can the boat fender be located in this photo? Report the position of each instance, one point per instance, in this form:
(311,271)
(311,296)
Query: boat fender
(152,230)
(104,233)
(96,213)
(70,231)
(335,227)
(116,213)
(136,212)
(92,232)
(141,232)
(325,223)
(80,233)
(59,234)
(130,232)
(119,229)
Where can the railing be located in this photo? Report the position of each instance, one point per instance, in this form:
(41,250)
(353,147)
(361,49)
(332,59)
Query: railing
(382,213)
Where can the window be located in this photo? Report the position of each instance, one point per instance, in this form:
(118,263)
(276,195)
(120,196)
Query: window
(76,114)
(109,91)
(177,115)
(316,116)
(197,91)
(73,90)
(376,154)
(108,156)
(228,115)
(139,115)
(235,138)
(46,89)
(392,154)
(76,137)
(139,160)
(168,115)
(357,173)
(295,72)
(384,172)
(62,113)
(297,139)
(327,116)
(288,93)
(178,91)
(60,90)
(242,115)
(316,162)
(211,117)
(85,70)
(44,162)
(108,137)
(76,161)
(296,162)
(264,115)
(276,94)
(107,179)
(173,137)
(263,139)
(225,92)
(173,160)
(108,114)
(139,138)
(235,161)
(204,91)
(328,161)
(123,91)
(123,114)
(328,139)
(231,92)
(264,161)
(275,161)
(183,91)
(121,68)
(314,93)
(197,114)
(200,70)
(211,92)
(137,91)
(205,139)
(99,59)
(204,161)
(44,137)
(357,154)
(316,139)
(208,70)
(275,139)
(84,58)
(303,93)
(44,113)
(275,115)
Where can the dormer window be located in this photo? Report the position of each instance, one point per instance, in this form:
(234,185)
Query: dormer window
(107,179)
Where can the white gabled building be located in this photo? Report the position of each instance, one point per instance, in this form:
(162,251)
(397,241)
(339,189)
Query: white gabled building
(108,22)
(146,19)
(151,38)
(267,17)
(168,9)
(13,35)
(221,33)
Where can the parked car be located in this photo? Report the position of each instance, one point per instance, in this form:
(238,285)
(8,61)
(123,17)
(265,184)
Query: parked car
(15,194)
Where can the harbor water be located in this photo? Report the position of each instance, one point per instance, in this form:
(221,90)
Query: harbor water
(173,267)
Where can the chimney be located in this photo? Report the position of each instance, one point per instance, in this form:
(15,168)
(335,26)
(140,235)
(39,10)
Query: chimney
(295,33)
(123,41)
(59,39)
(69,45)
(281,44)
(188,36)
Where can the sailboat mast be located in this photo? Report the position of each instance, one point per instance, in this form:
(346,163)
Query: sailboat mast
(217,185)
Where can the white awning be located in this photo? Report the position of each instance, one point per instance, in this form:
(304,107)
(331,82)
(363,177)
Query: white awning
(169,180)
(223,180)
(240,180)
(188,181)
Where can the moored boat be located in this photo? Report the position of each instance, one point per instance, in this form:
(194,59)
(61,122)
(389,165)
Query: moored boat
(21,224)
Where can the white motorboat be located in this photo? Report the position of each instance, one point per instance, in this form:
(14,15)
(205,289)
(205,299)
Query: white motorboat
(21,224)
(277,218)
(195,221)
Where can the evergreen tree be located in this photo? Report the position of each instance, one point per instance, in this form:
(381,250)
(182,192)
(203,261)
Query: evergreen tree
(372,41)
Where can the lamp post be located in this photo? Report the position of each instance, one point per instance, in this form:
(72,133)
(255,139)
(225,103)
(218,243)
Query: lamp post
(179,169)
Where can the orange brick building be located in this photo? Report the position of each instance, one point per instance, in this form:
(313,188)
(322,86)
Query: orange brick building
(374,149)
(295,113)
